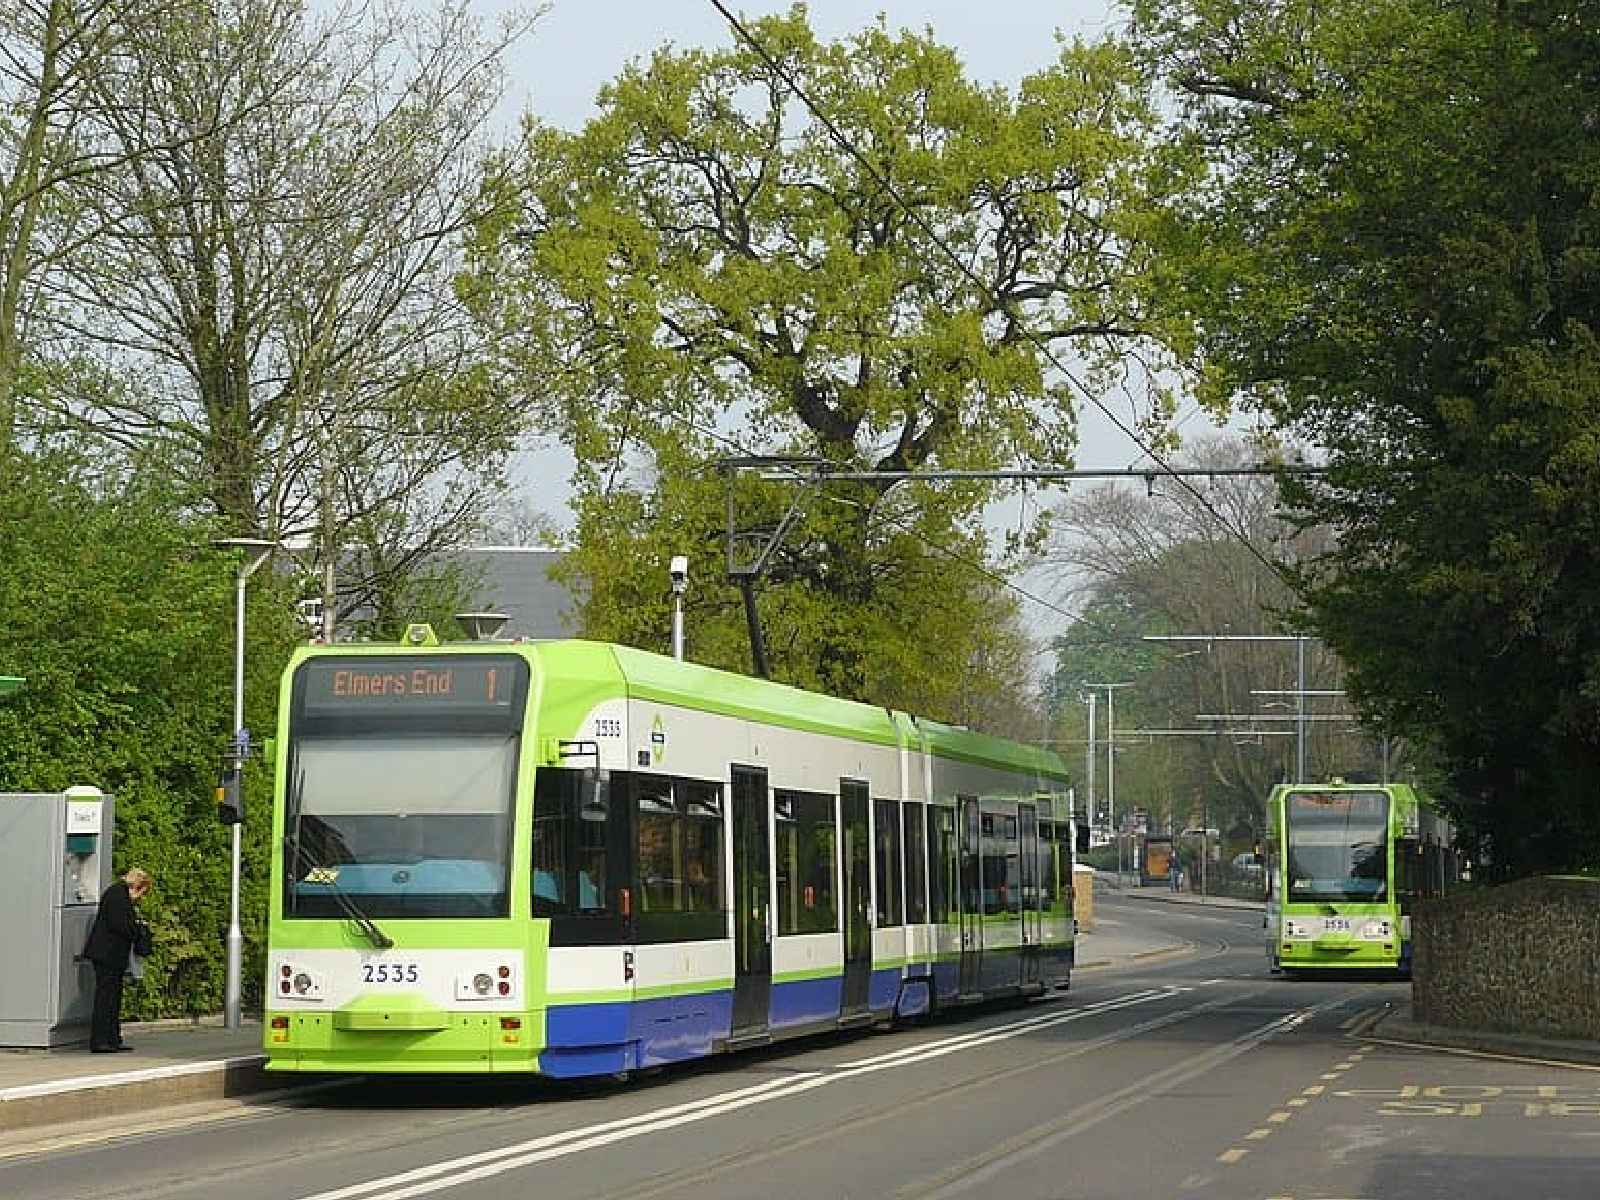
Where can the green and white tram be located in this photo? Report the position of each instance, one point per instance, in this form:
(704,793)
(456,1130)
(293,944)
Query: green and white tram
(1345,862)
(575,859)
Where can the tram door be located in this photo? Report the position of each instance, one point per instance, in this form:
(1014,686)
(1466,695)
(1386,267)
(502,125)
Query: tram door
(970,837)
(752,892)
(1032,922)
(853,801)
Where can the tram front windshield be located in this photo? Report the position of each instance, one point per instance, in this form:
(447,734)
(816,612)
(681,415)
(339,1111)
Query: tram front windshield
(1338,846)
(402,778)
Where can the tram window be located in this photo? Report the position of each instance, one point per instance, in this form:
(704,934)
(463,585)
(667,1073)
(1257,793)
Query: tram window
(660,833)
(887,861)
(807,862)
(916,863)
(702,844)
(571,844)
(941,856)
(549,856)
(679,873)
(1002,866)
(969,851)
(1407,860)
(1049,854)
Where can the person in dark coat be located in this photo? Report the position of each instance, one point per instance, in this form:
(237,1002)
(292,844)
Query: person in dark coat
(110,943)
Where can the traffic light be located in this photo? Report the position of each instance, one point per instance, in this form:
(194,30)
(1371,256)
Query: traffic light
(230,796)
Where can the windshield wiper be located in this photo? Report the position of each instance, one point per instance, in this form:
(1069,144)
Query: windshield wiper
(326,876)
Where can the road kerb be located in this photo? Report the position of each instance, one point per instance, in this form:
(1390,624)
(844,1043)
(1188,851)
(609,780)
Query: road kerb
(1141,957)
(1207,902)
(56,1102)
(1391,1028)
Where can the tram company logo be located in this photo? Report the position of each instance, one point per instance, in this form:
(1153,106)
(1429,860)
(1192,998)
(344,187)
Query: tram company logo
(658,741)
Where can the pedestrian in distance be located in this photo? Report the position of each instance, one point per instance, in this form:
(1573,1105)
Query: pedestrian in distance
(116,935)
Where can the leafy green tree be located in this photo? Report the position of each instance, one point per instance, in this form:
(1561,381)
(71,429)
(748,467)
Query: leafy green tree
(119,614)
(1396,257)
(703,266)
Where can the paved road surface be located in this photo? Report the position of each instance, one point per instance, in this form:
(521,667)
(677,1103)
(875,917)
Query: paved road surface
(1192,1078)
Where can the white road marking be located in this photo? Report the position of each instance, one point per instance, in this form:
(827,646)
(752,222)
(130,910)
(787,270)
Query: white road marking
(1088,1116)
(486,1164)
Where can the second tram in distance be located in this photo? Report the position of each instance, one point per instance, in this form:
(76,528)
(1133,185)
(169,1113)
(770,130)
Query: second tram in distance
(1345,861)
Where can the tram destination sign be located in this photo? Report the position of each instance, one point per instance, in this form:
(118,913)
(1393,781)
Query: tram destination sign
(1338,805)
(461,683)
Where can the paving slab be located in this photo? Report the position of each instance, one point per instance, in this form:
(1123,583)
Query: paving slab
(170,1063)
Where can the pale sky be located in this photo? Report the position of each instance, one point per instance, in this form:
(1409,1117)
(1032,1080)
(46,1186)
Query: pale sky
(580,44)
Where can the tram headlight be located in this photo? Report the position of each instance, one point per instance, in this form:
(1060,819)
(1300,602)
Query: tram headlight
(488,979)
(298,983)
(1375,931)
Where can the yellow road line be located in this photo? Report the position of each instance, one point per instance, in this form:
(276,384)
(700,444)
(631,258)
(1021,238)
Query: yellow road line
(1232,1156)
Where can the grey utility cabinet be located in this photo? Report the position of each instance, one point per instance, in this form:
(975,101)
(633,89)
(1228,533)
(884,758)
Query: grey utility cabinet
(55,861)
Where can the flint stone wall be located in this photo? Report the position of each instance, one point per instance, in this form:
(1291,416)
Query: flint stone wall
(1520,958)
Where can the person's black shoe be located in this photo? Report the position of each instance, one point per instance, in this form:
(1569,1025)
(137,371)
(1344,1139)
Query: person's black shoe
(103,1049)
(122,1046)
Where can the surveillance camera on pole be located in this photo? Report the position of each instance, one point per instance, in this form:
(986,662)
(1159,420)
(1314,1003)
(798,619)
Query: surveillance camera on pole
(679,570)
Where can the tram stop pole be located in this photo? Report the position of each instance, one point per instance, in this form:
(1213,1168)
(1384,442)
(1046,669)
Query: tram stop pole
(257,550)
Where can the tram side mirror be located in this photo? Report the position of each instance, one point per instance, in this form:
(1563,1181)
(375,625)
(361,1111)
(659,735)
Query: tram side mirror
(1081,838)
(592,799)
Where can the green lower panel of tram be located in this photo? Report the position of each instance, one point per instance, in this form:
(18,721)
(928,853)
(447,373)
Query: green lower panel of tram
(408,1039)
(1369,939)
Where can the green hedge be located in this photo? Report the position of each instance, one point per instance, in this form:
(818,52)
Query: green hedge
(119,614)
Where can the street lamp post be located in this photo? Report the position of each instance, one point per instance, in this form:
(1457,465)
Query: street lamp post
(1111,766)
(256,551)
(1094,813)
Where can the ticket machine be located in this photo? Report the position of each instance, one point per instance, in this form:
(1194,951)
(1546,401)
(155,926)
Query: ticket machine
(55,861)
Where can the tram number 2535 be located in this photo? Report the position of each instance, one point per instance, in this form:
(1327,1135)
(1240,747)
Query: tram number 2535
(389,972)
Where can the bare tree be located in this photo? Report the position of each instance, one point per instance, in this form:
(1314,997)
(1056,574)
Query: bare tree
(274,294)
(52,55)
(1174,561)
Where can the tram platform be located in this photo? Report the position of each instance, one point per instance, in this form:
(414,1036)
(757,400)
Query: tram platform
(171,1063)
